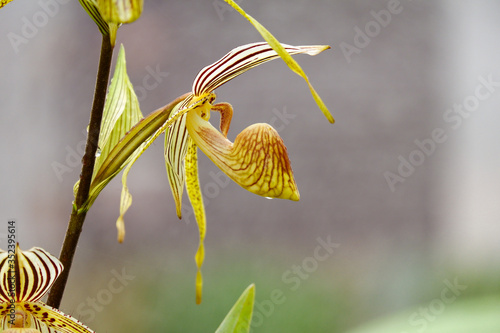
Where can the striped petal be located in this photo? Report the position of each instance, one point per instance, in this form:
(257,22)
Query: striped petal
(175,151)
(196,199)
(176,145)
(257,160)
(241,59)
(35,271)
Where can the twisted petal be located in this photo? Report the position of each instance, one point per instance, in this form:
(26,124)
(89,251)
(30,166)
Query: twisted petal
(257,161)
(282,52)
(34,271)
(196,199)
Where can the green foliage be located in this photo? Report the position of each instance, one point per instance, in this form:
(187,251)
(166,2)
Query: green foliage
(239,317)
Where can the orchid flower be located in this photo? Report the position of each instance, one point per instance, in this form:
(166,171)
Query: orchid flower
(257,160)
(25,277)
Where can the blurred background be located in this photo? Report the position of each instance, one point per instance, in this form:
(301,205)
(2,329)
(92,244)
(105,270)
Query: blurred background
(404,187)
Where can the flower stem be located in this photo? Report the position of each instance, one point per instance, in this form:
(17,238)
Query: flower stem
(77,218)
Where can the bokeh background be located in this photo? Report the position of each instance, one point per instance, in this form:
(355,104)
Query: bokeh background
(420,255)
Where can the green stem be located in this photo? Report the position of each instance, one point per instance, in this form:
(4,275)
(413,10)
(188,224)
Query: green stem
(76,220)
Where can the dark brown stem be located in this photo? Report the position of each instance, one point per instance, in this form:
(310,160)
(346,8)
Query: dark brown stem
(77,218)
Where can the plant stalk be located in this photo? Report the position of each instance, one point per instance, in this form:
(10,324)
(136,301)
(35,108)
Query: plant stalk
(77,218)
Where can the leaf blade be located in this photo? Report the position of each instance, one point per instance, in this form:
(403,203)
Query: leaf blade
(240,316)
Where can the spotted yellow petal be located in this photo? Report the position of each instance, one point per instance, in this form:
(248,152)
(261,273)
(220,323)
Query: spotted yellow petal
(92,9)
(48,319)
(196,199)
(257,160)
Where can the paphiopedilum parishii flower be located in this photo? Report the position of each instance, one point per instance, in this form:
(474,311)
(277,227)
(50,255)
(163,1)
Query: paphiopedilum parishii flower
(25,277)
(257,160)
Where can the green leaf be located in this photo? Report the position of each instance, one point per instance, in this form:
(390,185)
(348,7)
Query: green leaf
(287,58)
(121,112)
(91,8)
(239,317)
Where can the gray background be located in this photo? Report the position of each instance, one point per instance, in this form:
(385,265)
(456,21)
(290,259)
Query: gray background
(442,222)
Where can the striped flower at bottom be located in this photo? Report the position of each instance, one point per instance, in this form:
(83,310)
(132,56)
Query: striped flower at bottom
(25,277)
